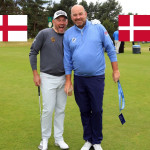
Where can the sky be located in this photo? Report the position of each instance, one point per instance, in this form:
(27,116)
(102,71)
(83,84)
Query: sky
(142,7)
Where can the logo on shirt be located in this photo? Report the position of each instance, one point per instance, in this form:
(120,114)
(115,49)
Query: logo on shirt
(73,40)
(53,39)
(106,33)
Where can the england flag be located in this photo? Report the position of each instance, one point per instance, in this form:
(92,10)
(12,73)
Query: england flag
(13,28)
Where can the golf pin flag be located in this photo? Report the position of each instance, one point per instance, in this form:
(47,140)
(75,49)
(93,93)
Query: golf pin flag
(134,27)
(13,28)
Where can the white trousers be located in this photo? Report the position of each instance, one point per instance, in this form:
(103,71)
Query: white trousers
(54,98)
(117,45)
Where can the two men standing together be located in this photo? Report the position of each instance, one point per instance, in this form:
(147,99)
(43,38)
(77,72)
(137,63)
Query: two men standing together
(83,52)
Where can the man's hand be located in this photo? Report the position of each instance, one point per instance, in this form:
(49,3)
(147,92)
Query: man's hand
(68,84)
(116,75)
(36,78)
(68,87)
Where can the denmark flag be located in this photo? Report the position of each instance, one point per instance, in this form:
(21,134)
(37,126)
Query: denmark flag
(134,27)
(13,28)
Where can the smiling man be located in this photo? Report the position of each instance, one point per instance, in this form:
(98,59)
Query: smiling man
(84,54)
(51,79)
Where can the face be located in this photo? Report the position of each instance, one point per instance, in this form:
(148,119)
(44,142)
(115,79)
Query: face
(78,16)
(60,24)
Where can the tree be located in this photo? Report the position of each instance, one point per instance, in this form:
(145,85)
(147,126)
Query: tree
(39,10)
(106,12)
(110,10)
(9,7)
(37,16)
(84,4)
(109,27)
(130,13)
(93,10)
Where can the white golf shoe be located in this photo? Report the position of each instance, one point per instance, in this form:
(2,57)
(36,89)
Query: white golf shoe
(97,147)
(61,144)
(86,146)
(43,144)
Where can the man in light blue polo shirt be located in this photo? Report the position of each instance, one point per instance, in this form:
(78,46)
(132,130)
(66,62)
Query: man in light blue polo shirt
(83,53)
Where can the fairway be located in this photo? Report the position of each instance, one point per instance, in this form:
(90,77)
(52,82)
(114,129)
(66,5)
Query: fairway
(19,105)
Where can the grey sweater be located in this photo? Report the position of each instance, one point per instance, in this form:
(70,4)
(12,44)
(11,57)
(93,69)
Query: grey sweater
(50,45)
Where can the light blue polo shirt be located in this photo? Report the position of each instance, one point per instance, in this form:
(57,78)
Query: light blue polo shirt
(84,50)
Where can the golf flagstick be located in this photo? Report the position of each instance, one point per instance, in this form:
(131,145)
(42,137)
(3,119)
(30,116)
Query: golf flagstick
(121,100)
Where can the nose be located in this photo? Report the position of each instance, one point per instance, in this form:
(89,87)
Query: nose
(78,16)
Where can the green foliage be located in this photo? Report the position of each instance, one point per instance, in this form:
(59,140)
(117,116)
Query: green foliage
(37,17)
(85,5)
(106,12)
(38,12)
(9,7)
(130,13)
(93,11)
(109,27)
(109,10)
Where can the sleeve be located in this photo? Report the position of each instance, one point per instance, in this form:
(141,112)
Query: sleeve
(108,44)
(67,56)
(34,50)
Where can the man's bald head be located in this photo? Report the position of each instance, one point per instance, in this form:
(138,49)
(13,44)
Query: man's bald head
(77,7)
(78,15)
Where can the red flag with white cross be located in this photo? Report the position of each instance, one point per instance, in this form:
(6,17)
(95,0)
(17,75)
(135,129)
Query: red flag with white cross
(13,28)
(134,27)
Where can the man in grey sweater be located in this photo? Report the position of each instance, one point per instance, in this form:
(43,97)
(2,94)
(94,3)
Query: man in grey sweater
(51,79)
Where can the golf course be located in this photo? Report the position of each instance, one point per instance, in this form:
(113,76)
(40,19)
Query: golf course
(19,103)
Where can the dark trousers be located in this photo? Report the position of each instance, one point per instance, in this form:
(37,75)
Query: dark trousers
(89,97)
(121,48)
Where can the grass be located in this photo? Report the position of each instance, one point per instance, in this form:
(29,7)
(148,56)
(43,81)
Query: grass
(19,108)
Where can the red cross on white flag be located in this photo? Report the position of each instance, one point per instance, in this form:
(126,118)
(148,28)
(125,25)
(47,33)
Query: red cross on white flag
(134,27)
(13,28)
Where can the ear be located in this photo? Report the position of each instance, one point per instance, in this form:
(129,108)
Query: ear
(86,14)
(53,21)
(67,22)
(71,17)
